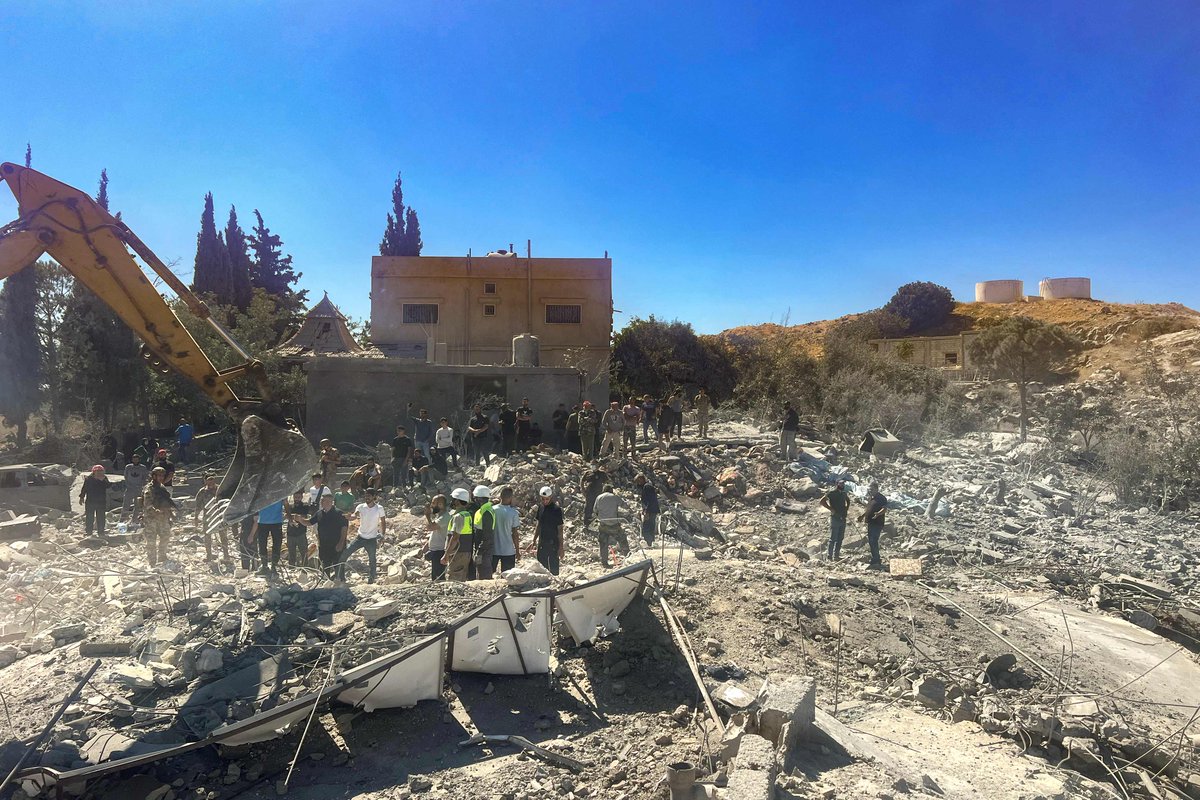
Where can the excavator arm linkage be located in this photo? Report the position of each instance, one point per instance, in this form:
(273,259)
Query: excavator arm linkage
(272,458)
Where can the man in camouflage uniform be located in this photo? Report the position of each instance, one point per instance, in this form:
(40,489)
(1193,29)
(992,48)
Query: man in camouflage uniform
(589,420)
(157,510)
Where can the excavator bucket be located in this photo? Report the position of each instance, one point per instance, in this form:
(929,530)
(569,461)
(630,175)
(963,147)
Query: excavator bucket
(270,463)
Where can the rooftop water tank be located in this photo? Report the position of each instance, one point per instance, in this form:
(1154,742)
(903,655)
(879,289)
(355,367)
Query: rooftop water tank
(1066,288)
(526,350)
(1005,291)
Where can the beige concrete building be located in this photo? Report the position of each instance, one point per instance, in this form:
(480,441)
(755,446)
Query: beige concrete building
(949,353)
(466,310)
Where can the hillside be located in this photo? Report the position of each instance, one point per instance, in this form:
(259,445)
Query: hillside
(1113,333)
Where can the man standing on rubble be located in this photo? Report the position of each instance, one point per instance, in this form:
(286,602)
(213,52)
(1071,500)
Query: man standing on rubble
(703,405)
(332,527)
(838,504)
(650,509)
(207,518)
(559,424)
(422,428)
(548,540)
(507,545)
(168,468)
(589,420)
(479,428)
(608,508)
(483,523)
(372,525)
(873,515)
(614,427)
(677,412)
(402,451)
(508,430)
(632,415)
(297,534)
(268,530)
(571,430)
(524,424)
(93,495)
(157,510)
(787,433)
(591,483)
(136,474)
(184,435)
(459,544)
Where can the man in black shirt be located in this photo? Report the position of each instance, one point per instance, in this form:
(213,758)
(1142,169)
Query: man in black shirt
(166,464)
(480,430)
(508,430)
(838,503)
(649,496)
(874,516)
(559,419)
(548,538)
(297,535)
(94,496)
(402,450)
(332,527)
(524,424)
(787,435)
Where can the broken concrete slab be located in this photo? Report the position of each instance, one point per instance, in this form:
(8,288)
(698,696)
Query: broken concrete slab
(753,774)
(787,710)
(26,528)
(906,567)
(205,709)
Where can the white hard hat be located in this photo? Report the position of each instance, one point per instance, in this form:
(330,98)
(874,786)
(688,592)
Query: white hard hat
(482,491)
(546,491)
(461,494)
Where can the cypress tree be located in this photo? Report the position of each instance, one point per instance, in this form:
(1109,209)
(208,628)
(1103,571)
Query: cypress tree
(102,193)
(394,242)
(239,261)
(211,275)
(412,233)
(28,154)
(272,269)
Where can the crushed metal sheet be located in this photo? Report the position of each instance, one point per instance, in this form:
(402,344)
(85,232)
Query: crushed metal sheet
(271,724)
(590,611)
(508,636)
(397,680)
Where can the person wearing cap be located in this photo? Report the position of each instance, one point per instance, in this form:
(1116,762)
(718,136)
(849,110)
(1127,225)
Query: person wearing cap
(332,526)
(157,511)
(167,466)
(459,544)
(93,494)
(484,525)
(506,544)
(372,525)
(838,503)
(611,533)
(208,518)
(548,539)
(589,421)
(136,474)
(614,427)
(874,515)
(437,522)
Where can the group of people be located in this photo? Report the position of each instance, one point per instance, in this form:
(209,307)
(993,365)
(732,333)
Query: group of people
(874,514)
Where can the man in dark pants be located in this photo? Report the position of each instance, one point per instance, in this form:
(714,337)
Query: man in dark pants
(838,504)
(332,527)
(524,424)
(649,497)
(480,430)
(402,451)
(559,418)
(94,496)
(874,517)
(508,430)
(268,530)
(548,539)
(591,484)
(297,535)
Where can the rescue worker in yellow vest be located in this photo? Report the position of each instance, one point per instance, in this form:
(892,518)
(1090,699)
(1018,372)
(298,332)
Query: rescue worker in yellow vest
(485,536)
(459,544)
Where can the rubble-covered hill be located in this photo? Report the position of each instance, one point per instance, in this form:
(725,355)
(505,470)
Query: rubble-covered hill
(1029,636)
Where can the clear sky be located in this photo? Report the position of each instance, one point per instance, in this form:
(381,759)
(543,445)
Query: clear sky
(740,162)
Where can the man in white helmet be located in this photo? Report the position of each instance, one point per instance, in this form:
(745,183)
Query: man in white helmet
(484,524)
(548,538)
(459,545)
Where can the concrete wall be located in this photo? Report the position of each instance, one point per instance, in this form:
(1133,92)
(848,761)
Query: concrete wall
(523,289)
(932,351)
(363,399)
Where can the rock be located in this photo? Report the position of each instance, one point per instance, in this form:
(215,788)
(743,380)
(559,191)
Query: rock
(419,783)
(233,774)
(100,648)
(1143,619)
(10,654)
(134,676)
(620,669)
(713,647)
(209,659)
(929,692)
(664,739)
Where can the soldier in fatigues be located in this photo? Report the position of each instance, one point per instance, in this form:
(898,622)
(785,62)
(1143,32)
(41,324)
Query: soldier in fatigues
(589,420)
(157,510)
(703,405)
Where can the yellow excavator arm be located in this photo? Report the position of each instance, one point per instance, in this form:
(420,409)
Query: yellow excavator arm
(272,459)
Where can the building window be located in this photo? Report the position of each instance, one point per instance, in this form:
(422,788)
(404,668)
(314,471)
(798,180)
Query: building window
(489,288)
(421,313)
(564,315)
(489,311)
(951,359)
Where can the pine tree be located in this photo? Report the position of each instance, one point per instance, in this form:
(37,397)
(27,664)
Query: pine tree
(102,194)
(211,275)
(412,233)
(394,242)
(28,154)
(20,390)
(273,271)
(239,262)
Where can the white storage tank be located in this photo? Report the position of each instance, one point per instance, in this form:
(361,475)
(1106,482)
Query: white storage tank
(1066,288)
(999,291)
(526,350)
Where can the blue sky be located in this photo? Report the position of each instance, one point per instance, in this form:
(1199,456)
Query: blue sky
(741,163)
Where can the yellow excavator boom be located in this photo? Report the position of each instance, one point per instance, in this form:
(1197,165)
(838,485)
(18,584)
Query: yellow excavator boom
(272,459)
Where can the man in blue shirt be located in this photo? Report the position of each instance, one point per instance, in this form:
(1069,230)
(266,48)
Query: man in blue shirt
(268,523)
(184,435)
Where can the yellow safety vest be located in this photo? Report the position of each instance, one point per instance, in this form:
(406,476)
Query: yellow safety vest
(486,508)
(460,523)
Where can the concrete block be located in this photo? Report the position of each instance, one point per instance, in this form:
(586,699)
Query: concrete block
(753,775)
(791,704)
(24,527)
(930,692)
(749,785)
(99,648)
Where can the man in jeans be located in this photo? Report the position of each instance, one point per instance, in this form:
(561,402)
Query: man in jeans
(632,415)
(874,515)
(787,434)
(479,428)
(268,527)
(838,503)
(423,432)
(93,494)
(402,451)
(184,435)
(136,474)
(613,425)
(372,525)
(608,506)
(589,420)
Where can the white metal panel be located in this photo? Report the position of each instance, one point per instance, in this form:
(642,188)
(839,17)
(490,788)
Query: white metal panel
(509,636)
(397,680)
(591,610)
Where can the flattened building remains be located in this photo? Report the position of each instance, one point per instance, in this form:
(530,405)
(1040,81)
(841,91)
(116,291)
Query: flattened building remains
(448,331)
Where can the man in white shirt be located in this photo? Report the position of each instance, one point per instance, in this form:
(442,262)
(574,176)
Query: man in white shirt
(443,442)
(372,525)
(318,490)
(508,519)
